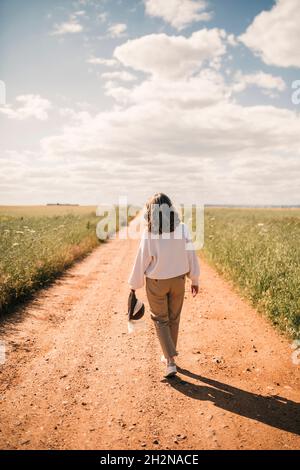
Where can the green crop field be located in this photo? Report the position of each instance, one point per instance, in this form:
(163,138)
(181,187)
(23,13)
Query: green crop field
(259,250)
(38,242)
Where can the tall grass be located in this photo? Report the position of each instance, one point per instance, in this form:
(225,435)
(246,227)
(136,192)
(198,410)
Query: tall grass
(37,244)
(259,250)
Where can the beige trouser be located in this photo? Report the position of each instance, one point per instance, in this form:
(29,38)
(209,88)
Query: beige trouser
(165,297)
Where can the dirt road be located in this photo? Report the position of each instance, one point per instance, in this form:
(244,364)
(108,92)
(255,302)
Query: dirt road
(74,378)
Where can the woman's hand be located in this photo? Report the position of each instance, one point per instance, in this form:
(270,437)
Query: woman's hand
(194,290)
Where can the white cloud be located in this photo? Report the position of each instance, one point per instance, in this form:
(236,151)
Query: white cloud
(212,126)
(78,13)
(172,56)
(31,106)
(181,124)
(117,30)
(197,148)
(232,40)
(123,76)
(178,13)
(68,27)
(267,82)
(274,34)
(102,61)
(191,132)
(72,115)
(202,90)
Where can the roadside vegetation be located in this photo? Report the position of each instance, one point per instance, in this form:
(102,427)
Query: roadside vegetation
(38,243)
(259,250)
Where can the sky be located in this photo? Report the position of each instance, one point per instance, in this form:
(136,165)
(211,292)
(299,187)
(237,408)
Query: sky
(124,98)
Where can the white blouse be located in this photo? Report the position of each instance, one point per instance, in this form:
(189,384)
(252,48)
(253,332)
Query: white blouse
(165,256)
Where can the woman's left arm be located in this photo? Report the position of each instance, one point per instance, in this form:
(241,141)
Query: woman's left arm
(194,268)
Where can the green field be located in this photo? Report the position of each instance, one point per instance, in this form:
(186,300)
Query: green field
(37,243)
(259,250)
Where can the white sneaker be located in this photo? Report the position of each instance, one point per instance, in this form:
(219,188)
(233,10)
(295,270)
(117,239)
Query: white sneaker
(171,370)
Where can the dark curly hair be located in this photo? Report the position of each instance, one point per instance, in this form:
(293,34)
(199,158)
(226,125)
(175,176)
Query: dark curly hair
(161,216)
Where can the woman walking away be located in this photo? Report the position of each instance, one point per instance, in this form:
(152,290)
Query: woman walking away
(165,256)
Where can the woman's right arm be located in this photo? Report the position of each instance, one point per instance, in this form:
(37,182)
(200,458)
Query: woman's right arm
(142,261)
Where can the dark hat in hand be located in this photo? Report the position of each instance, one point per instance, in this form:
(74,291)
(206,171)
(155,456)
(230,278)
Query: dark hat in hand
(136,308)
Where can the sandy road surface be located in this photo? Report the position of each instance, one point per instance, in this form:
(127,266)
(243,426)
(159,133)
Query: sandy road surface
(74,378)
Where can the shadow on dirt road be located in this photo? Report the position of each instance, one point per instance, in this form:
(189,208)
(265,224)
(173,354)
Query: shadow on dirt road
(273,410)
